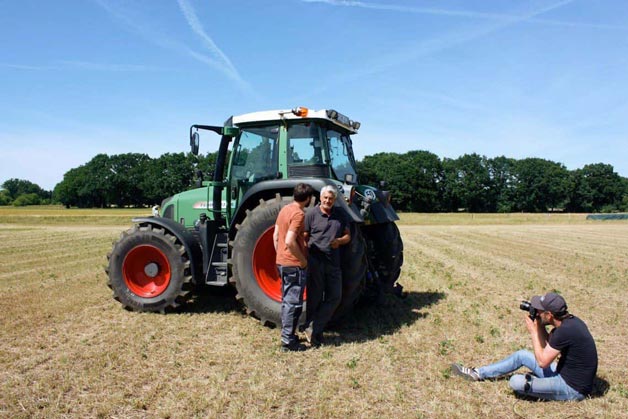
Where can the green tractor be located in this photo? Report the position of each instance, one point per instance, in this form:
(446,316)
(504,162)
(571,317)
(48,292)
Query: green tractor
(220,234)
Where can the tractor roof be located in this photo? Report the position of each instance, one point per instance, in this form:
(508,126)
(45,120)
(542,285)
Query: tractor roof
(330,115)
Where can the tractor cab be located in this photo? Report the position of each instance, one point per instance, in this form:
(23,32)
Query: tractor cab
(274,145)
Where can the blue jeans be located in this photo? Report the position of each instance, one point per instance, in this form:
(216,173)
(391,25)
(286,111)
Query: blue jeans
(293,280)
(542,383)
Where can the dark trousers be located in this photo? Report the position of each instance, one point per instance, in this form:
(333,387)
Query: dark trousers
(324,291)
(293,281)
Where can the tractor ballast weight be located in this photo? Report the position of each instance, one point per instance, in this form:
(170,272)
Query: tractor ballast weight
(220,233)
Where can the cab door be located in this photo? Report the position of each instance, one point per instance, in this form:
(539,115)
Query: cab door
(254,159)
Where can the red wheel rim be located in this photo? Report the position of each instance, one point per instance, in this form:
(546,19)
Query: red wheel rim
(146,271)
(265,267)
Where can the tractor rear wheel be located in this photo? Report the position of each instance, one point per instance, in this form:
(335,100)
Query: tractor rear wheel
(253,261)
(255,272)
(149,270)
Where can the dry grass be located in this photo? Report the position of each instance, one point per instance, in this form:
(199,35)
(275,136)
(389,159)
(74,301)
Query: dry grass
(58,215)
(69,350)
(464,218)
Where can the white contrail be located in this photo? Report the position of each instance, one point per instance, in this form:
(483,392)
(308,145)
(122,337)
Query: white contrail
(29,67)
(438,44)
(409,9)
(217,59)
(73,64)
(425,47)
(465,13)
(196,26)
(106,66)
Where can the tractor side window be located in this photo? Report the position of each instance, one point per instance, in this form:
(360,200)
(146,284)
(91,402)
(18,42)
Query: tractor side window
(304,145)
(255,156)
(341,154)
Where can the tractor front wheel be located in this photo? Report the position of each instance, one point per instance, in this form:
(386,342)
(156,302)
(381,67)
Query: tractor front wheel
(149,270)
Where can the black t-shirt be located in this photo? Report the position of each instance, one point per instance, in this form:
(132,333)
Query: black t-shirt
(324,228)
(578,355)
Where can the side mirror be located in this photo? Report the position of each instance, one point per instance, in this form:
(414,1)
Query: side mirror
(349,178)
(194,141)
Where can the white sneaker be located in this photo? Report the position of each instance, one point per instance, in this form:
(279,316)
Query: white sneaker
(467,373)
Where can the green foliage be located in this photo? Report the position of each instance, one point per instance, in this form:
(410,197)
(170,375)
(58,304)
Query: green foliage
(445,347)
(353,363)
(540,185)
(27,199)
(622,390)
(130,179)
(501,172)
(5,198)
(468,184)
(419,181)
(413,178)
(166,176)
(17,187)
(20,192)
(87,185)
(597,188)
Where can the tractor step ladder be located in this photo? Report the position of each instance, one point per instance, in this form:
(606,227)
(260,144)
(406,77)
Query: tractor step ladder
(218,265)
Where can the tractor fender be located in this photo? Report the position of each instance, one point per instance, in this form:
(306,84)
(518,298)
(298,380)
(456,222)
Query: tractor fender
(190,242)
(268,189)
(382,212)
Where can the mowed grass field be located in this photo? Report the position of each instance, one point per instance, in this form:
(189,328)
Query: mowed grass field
(67,349)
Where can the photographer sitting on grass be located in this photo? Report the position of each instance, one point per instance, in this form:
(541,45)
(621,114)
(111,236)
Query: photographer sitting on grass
(571,378)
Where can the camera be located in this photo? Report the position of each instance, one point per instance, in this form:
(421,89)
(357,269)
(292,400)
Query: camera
(526,306)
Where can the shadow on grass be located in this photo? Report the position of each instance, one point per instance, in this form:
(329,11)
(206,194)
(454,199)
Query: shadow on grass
(213,300)
(600,388)
(370,321)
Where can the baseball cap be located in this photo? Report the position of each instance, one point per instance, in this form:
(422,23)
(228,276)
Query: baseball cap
(551,302)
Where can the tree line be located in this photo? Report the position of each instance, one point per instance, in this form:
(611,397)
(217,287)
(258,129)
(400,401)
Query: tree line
(121,180)
(419,181)
(20,192)
(130,179)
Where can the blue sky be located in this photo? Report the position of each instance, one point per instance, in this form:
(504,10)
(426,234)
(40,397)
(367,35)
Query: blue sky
(520,78)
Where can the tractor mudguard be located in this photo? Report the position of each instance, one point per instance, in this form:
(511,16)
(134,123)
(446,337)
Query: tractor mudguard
(190,242)
(382,213)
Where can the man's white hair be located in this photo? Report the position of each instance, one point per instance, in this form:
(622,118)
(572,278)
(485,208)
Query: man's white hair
(331,189)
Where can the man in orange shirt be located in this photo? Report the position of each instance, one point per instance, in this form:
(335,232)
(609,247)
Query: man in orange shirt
(292,263)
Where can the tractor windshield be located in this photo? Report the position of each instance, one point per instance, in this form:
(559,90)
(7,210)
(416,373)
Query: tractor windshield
(341,154)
